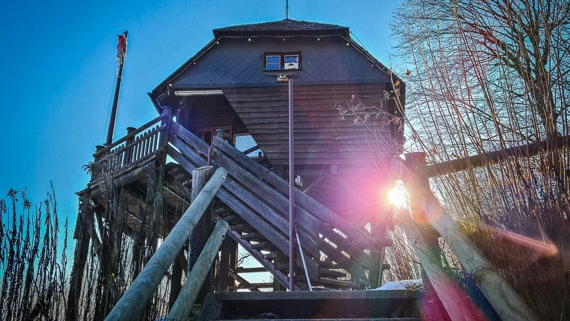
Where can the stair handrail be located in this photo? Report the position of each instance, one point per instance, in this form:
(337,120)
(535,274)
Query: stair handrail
(302,255)
(134,300)
(304,203)
(191,152)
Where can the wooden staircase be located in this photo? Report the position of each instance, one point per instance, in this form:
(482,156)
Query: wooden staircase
(336,253)
(254,200)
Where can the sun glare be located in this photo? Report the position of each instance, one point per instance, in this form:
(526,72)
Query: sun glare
(398,195)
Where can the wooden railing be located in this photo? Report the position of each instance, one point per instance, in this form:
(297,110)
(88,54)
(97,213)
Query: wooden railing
(135,149)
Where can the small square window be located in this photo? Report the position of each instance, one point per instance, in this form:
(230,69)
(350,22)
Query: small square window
(273,62)
(291,62)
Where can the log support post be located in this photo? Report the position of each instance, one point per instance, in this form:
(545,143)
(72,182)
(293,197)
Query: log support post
(183,306)
(506,302)
(133,302)
(228,262)
(82,235)
(166,124)
(203,229)
(129,156)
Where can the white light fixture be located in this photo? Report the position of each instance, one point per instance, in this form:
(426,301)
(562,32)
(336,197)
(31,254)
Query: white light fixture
(282,77)
(198,92)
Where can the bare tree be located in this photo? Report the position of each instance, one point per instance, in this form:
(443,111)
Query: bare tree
(486,76)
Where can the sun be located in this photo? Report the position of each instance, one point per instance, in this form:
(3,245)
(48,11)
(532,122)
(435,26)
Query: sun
(397,195)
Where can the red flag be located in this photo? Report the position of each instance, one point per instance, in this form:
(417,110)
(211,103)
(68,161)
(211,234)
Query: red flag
(122,46)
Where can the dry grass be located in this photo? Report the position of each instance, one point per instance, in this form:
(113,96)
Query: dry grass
(33,259)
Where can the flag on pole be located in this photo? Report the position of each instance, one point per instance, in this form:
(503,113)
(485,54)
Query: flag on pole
(122,46)
(121,51)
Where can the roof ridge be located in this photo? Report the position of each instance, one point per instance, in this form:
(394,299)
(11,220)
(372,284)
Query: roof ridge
(282,27)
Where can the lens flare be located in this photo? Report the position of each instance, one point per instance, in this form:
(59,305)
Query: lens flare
(543,247)
(398,196)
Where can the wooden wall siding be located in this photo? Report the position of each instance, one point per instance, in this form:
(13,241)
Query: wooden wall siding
(213,111)
(321,137)
(236,62)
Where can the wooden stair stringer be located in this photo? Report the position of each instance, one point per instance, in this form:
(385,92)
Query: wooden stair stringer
(259,197)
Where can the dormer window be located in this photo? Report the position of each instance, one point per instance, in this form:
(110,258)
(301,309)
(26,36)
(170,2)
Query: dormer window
(282,61)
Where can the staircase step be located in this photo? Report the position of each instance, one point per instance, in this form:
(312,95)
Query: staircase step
(263,246)
(338,284)
(332,273)
(231,218)
(274,256)
(335,319)
(386,305)
(241,227)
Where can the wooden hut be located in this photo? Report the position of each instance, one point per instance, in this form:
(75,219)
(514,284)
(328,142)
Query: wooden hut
(229,106)
(239,83)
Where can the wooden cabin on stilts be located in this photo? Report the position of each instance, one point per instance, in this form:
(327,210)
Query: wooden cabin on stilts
(173,207)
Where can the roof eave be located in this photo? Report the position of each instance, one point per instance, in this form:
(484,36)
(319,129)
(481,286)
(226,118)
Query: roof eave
(163,86)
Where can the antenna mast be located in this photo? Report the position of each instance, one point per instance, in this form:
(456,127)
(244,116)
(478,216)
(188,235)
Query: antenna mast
(121,52)
(286,9)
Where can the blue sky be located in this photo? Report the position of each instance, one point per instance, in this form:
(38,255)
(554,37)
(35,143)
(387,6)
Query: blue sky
(57,67)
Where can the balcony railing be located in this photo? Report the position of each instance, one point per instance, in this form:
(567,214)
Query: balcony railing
(137,148)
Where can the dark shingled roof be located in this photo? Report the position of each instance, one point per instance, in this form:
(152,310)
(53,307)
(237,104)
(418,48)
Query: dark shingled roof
(282,27)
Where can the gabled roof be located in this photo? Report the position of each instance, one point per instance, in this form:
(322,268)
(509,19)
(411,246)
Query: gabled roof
(282,27)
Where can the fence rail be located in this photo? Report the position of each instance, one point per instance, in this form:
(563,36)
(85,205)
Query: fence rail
(134,149)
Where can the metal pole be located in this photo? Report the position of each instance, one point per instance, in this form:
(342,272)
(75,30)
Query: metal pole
(291,192)
(303,261)
(121,52)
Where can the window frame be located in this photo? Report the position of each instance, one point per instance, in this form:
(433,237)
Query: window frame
(282,55)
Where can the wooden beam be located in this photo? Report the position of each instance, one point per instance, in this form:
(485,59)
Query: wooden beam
(495,157)
(202,230)
(455,302)
(135,299)
(282,278)
(228,262)
(182,307)
(506,302)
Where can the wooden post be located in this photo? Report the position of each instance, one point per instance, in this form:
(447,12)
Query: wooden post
(129,156)
(82,226)
(166,124)
(203,228)
(429,254)
(228,261)
(178,266)
(182,308)
(134,300)
(506,302)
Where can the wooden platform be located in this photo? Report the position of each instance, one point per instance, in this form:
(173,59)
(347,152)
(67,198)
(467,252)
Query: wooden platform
(320,305)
